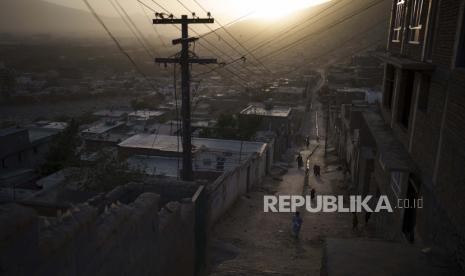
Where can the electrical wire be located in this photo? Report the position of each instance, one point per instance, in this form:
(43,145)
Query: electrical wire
(319,56)
(220,66)
(290,31)
(118,45)
(201,44)
(306,37)
(234,38)
(133,31)
(231,72)
(149,21)
(134,25)
(229,23)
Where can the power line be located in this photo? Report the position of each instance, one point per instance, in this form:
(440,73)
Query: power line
(157,34)
(185,59)
(287,32)
(229,23)
(120,48)
(208,49)
(128,25)
(234,38)
(134,25)
(212,30)
(201,44)
(339,46)
(221,66)
(304,38)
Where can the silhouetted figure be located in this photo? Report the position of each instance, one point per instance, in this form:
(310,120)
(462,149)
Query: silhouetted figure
(312,193)
(354,221)
(307,142)
(300,161)
(367,217)
(316,170)
(296,224)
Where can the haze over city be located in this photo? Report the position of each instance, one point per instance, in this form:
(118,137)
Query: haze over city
(232,137)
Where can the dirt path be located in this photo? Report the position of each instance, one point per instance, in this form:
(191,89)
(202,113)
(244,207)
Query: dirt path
(248,241)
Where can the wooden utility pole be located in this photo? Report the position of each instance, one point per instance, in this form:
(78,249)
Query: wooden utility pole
(185,60)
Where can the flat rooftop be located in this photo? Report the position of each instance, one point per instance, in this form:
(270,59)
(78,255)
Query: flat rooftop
(107,137)
(164,129)
(38,133)
(290,90)
(147,113)
(9,131)
(110,113)
(49,124)
(275,111)
(170,143)
(101,127)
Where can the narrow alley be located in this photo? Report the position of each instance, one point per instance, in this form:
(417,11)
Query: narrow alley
(248,241)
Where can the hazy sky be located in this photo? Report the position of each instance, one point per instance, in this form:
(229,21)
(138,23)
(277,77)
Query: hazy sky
(224,10)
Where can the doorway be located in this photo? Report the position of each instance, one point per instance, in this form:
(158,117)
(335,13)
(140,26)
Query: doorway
(410,212)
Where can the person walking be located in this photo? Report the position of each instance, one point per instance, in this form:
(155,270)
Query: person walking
(317,170)
(307,142)
(354,221)
(307,175)
(296,224)
(300,161)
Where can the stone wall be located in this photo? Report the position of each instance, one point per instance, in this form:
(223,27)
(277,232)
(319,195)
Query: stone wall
(125,232)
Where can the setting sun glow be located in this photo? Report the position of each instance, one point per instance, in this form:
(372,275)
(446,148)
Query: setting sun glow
(275,9)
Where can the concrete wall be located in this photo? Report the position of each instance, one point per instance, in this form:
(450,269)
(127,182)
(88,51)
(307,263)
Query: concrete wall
(105,237)
(227,188)
(30,156)
(122,240)
(177,239)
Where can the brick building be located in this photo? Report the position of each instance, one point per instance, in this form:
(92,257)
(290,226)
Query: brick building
(423,107)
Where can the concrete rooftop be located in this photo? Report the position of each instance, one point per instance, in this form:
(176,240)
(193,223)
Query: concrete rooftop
(170,143)
(38,133)
(275,111)
(101,127)
(147,113)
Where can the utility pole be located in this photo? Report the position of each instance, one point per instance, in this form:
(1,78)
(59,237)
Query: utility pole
(185,60)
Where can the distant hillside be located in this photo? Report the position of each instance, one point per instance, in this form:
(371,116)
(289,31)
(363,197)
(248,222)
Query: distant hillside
(345,38)
(36,16)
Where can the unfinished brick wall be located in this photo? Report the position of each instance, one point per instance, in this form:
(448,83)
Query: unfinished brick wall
(125,239)
(177,241)
(122,240)
(450,184)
